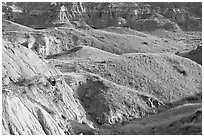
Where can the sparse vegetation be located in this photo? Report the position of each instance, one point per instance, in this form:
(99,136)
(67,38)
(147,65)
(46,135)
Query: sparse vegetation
(101,68)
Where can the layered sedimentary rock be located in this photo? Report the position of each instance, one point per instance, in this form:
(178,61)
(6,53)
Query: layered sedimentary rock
(31,105)
(100,15)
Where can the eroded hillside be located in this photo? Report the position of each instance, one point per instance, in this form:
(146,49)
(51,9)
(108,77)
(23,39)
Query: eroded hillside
(101,68)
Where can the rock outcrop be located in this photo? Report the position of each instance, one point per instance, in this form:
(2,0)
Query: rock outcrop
(31,105)
(101,15)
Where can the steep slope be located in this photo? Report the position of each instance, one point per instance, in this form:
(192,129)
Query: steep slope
(31,103)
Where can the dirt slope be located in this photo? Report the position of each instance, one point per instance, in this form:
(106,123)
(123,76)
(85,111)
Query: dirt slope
(118,90)
(166,76)
(108,103)
(114,42)
(183,120)
(11,26)
(62,39)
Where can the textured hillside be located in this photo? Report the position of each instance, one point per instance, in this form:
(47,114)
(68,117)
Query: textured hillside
(166,76)
(89,68)
(133,86)
(62,39)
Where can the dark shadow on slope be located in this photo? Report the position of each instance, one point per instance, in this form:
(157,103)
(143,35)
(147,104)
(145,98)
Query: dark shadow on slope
(166,122)
(195,55)
(53,56)
(197,98)
(90,94)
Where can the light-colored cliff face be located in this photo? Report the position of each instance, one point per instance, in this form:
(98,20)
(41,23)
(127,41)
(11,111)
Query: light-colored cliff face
(31,105)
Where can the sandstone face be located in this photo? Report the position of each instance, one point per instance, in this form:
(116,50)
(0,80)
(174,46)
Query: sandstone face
(31,106)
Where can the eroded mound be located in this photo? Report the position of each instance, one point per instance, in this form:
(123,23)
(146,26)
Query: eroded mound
(166,76)
(118,93)
(108,103)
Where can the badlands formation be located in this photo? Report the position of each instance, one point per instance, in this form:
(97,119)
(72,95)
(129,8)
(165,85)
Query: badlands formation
(101,68)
